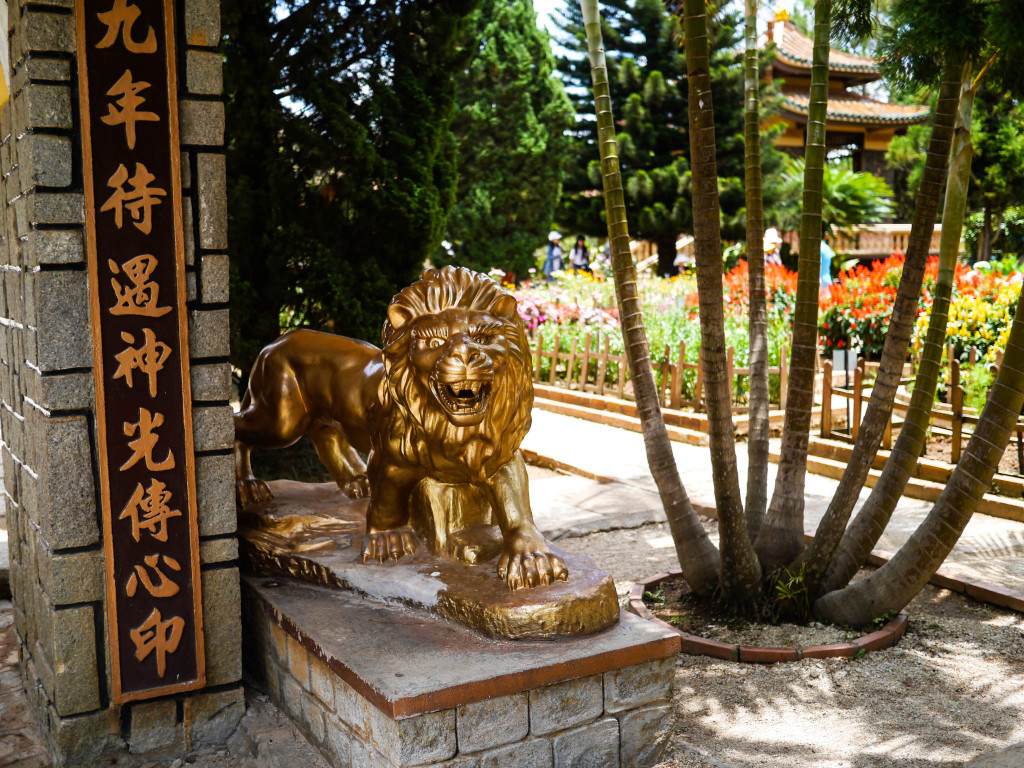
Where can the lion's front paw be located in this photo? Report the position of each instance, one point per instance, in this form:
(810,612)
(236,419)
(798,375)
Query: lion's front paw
(394,543)
(251,493)
(527,562)
(358,488)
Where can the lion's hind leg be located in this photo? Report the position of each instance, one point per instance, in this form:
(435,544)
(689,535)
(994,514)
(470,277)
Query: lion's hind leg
(340,458)
(272,416)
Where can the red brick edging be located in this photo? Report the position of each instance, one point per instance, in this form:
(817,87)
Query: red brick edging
(886,637)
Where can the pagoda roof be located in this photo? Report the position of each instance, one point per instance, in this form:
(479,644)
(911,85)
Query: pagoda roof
(795,49)
(854,109)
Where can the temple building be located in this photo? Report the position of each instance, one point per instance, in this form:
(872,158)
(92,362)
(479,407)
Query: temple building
(857,123)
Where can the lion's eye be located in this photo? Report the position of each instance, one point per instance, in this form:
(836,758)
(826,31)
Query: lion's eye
(435,342)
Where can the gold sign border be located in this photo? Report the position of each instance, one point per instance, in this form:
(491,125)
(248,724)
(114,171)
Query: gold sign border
(117,695)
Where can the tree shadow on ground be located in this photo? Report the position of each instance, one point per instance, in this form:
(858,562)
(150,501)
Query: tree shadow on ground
(952,689)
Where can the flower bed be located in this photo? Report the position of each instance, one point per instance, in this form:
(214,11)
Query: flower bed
(576,305)
(854,312)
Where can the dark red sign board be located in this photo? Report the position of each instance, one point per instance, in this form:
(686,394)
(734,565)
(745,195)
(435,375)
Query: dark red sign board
(129,110)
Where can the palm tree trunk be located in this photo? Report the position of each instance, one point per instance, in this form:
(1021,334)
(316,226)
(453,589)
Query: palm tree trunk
(740,571)
(757,441)
(782,537)
(897,337)
(698,557)
(861,537)
(894,585)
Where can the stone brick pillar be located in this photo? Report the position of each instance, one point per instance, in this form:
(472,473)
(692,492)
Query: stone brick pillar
(48,409)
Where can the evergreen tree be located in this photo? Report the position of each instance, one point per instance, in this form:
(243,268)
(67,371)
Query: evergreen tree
(647,71)
(340,163)
(510,124)
(998,165)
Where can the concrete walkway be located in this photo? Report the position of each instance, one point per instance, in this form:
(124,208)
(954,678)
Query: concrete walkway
(990,550)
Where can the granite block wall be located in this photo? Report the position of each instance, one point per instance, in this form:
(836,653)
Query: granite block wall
(47,398)
(618,719)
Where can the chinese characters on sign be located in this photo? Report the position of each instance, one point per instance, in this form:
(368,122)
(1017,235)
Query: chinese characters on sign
(140,340)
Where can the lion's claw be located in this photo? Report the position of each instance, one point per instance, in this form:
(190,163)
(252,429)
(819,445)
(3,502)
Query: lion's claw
(251,492)
(358,488)
(531,569)
(393,544)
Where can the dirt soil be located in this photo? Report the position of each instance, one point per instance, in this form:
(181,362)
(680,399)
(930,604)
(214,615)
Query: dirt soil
(940,448)
(672,601)
(952,688)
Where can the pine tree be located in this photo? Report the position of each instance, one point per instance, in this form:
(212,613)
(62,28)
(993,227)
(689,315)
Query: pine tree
(998,138)
(340,164)
(647,71)
(510,124)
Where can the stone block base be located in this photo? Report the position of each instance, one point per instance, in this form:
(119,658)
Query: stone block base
(382,685)
(139,734)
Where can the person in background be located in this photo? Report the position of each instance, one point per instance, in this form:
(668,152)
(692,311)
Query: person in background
(825,278)
(553,261)
(772,246)
(579,256)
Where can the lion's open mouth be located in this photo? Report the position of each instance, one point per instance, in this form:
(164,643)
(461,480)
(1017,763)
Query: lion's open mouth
(464,397)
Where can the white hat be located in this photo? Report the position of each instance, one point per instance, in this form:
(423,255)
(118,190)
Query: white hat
(772,239)
(554,235)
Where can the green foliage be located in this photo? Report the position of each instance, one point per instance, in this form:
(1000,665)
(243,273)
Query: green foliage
(976,381)
(906,156)
(922,35)
(647,71)
(792,596)
(885,618)
(510,124)
(657,596)
(850,199)
(340,163)
(997,133)
(1008,239)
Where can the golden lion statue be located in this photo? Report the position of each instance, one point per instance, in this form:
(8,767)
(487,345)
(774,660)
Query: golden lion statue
(441,410)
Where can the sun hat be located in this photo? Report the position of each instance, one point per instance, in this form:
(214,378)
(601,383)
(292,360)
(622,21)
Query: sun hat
(554,234)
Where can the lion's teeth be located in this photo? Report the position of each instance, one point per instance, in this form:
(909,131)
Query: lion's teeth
(472,386)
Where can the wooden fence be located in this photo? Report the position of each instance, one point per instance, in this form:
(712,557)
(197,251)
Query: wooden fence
(876,241)
(951,418)
(590,366)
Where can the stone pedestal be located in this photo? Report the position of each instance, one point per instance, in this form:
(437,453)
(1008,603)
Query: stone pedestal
(314,532)
(384,685)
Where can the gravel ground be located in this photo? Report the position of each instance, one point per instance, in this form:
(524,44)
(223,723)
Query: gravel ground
(952,689)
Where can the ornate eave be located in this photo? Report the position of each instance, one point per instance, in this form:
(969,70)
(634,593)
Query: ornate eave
(794,55)
(855,109)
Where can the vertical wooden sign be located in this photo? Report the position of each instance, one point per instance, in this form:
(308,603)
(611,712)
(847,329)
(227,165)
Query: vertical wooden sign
(129,110)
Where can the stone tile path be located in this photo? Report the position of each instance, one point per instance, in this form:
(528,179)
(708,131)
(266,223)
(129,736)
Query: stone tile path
(21,742)
(991,549)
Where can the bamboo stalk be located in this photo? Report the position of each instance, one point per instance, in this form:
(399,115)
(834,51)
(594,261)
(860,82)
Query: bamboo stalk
(602,367)
(826,400)
(540,352)
(572,364)
(783,376)
(585,372)
(730,375)
(858,395)
(675,400)
(554,358)
(622,375)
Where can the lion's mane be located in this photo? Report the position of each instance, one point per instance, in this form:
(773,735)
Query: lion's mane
(409,417)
